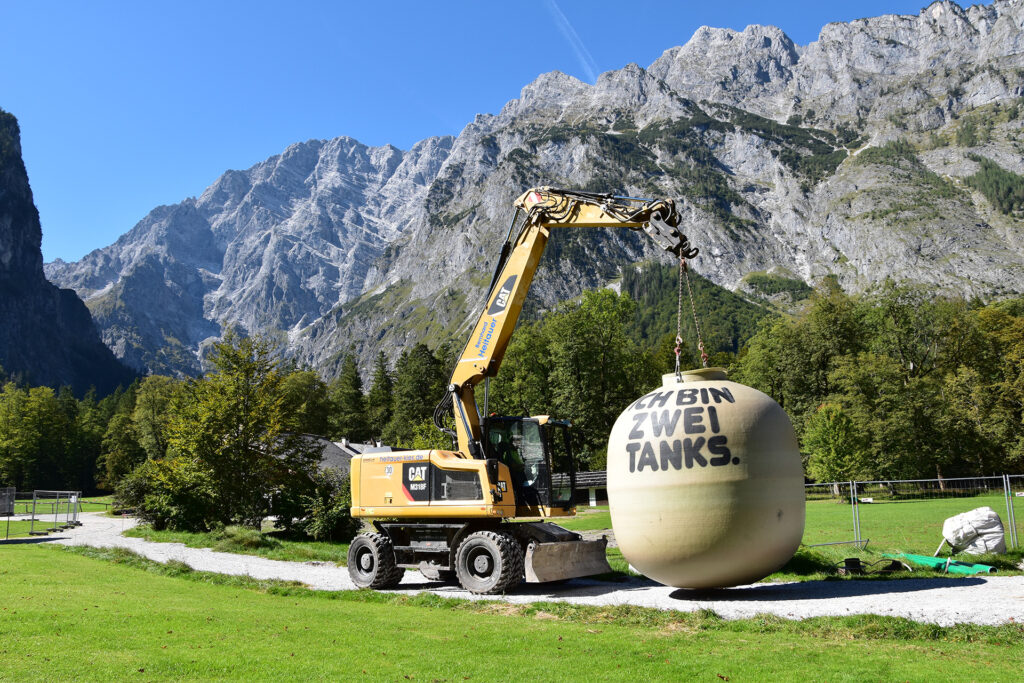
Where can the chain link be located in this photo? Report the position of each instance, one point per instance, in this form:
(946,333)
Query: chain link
(679,321)
(684,274)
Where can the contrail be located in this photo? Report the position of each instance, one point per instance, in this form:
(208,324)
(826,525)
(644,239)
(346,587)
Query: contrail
(569,33)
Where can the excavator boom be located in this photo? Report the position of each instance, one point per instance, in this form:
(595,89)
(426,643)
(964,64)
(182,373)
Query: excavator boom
(545,209)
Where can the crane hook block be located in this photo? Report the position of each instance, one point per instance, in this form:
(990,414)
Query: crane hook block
(669,237)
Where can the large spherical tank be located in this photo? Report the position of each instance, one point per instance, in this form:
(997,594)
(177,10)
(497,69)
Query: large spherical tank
(705,483)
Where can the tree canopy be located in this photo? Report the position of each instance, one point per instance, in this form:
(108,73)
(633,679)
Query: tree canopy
(896,383)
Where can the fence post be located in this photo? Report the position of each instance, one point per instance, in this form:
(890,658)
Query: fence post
(1013,511)
(32,522)
(1011,518)
(856,513)
(860,533)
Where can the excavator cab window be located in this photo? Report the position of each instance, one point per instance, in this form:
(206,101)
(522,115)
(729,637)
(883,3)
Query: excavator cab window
(533,451)
(563,469)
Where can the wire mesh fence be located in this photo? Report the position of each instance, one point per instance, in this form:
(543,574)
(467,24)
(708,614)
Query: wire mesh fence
(831,519)
(7,501)
(907,515)
(40,513)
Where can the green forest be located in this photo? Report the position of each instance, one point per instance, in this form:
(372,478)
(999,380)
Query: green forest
(894,383)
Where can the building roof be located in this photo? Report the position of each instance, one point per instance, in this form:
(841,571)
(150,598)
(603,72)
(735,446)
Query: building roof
(584,480)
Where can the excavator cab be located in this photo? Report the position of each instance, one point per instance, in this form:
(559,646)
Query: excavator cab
(538,454)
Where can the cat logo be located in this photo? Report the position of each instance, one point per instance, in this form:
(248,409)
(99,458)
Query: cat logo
(501,300)
(418,473)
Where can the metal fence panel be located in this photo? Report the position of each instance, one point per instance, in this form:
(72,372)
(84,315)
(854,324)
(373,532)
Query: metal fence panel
(831,519)
(908,515)
(1015,493)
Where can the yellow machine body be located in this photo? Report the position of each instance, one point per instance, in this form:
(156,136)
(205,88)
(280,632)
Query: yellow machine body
(436,484)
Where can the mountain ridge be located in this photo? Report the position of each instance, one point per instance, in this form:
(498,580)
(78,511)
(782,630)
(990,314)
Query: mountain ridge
(332,244)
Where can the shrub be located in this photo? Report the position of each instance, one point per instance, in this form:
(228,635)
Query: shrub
(234,538)
(329,515)
(170,494)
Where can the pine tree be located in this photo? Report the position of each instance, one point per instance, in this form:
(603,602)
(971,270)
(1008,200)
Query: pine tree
(419,385)
(378,400)
(307,403)
(348,418)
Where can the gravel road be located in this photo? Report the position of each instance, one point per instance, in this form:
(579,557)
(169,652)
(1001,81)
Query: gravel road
(979,600)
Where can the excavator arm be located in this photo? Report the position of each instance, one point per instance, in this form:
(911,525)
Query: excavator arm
(544,209)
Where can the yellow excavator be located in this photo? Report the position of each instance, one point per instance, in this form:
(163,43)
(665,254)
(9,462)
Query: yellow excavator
(452,514)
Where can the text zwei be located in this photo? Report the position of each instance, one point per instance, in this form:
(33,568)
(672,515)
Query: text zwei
(696,420)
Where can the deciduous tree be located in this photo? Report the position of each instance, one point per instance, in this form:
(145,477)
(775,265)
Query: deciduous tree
(152,413)
(233,424)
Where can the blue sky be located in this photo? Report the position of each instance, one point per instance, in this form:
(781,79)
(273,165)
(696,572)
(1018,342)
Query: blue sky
(127,105)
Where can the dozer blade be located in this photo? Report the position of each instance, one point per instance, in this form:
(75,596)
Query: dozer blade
(565,560)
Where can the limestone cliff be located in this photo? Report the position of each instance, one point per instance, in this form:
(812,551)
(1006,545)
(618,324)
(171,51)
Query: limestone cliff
(47,336)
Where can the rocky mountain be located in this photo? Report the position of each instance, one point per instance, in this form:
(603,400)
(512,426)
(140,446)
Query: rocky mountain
(46,335)
(877,151)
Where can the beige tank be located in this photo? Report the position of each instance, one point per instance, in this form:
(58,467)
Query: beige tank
(705,483)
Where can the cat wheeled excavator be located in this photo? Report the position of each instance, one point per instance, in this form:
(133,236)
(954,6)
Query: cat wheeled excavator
(453,514)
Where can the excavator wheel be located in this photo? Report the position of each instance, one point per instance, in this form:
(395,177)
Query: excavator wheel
(371,562)
(489,562)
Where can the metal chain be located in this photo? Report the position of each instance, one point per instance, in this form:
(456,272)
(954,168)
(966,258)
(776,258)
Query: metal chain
(679,320)
(684,273)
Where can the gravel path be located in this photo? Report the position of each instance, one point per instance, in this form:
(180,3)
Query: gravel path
(979,600)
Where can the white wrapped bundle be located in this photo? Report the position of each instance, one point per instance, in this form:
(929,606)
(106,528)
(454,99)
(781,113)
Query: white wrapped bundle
(976,532)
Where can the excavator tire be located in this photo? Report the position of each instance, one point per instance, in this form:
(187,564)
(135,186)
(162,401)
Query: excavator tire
(489,562)
(371,562)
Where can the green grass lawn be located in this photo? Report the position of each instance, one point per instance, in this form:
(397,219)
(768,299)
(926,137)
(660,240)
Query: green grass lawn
(45,506)
(587,519)
(913,526)
(270,544)
(97,503)
(20,529)
(917,525)
(89,614)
